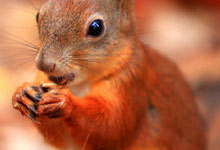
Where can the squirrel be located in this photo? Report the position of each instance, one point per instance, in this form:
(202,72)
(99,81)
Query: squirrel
(100,88)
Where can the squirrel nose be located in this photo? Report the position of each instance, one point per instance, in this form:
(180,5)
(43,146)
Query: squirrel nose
(45,65)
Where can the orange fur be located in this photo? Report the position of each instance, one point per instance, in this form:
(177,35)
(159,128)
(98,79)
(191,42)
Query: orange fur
(115,114)
(138,101)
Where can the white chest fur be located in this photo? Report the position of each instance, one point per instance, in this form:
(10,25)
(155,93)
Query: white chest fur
(80,90)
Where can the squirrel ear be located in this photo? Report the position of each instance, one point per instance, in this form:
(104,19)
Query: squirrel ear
(125,1)
(126,8)
(125,4)
(126,13)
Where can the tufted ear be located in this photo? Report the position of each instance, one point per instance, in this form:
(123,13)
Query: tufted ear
(126,5)
(122,6)
(126,11)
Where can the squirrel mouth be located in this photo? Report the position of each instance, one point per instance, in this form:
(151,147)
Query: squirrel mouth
(62,80)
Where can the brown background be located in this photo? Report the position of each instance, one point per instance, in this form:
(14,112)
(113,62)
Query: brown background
(186,31)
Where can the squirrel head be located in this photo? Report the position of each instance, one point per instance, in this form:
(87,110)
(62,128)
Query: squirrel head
(84,39)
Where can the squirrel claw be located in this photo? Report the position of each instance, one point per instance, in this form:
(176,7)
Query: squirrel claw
(33,118)
(31,94)
(43,100)
(33,108)
(26,100)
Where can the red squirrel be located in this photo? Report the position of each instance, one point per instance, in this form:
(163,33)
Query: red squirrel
(100,88)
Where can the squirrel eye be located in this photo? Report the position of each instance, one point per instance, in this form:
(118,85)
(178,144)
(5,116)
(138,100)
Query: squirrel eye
(96,28)
(37,17)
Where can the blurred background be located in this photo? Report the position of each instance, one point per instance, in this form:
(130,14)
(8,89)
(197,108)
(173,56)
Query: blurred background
(186,31)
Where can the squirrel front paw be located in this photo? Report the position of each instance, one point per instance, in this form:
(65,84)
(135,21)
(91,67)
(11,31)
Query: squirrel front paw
(45,100)
(56,102)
